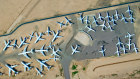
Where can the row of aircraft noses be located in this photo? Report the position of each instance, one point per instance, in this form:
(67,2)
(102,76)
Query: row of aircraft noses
(100,21)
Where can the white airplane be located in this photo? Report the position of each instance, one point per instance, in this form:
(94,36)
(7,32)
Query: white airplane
(119,42)
(31,36)
(25,52)
(42,50)
(15,44)
(42,64)
(55,58)
(7,44)
(74,50)
(55,52)
(108,17)
(11,68)
(95,21)
(39,72)
(117,14)
(129,35)
(118,51)
(81,18)
(38,38)
(135,48)
(102,50)
(113,20)
(123,49)
(100,17)
(26,65)
(131,18)
(87,20)
(109,26)
(61,24)
(129,11)
(89,27)
(124,18)
(22,42)
(48,31)
(68,21)
(56,35)
(103,26)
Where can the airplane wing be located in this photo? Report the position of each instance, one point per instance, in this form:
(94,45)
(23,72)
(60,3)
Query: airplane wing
(43,53)
(9,72)
(53,33)
(41,66)
(36,35)
(72,47)
(14,66)
(5,41)
(27,56)
(25,49)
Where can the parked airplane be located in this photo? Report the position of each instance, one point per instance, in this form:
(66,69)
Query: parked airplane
(38,38)
(25,52)
(22,42)
(118,51)
(31,36)
(131,18)
(42,64)
(56,35)
(61,24)
(15,44)
(100,17)
(129,43)
(108,17)
(48,31)
(54,52)
(123,49)
(135,48)
(26,65)
(95,21)
(113,20)
(129,35)
(89,27)
(81,18)
(11,68)
(129,11)
(68,21)
(124,18)
(7,44)
(87,20)
(42,50)
(103,26)
(39,72)
(117,14)
(109,26)
(119,42)
(102,50)
(74,50)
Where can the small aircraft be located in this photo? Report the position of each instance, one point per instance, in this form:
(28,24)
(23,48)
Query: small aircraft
(15,44)
(74,50)
(87,20)
(11,68)
(42,64)
(113,20)
(129,35)
(100,17)
(124,18)
(89,27)
(95,21)
(31,36)
(109,26)
(48,31)
(42,50)
(123,49)
(55,58)
(129,11)
(7,44)
(117,14)
(119,42)
(55,52)
(102,50)
(56,35)
(25,52)
(103,26)
(108,17)
(22,42)
(129,43)
(68,21)
(61,24)
(135,48)
(38,38)
(118,51)
(81,18)
(26,65)
(39,72)
(131,19)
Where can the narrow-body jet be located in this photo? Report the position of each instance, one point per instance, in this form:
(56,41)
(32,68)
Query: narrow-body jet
(74,50)
(11,68)
(38,38)
(22,42)
(26,66)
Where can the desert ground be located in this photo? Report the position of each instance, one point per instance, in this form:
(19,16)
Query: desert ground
(16,12)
